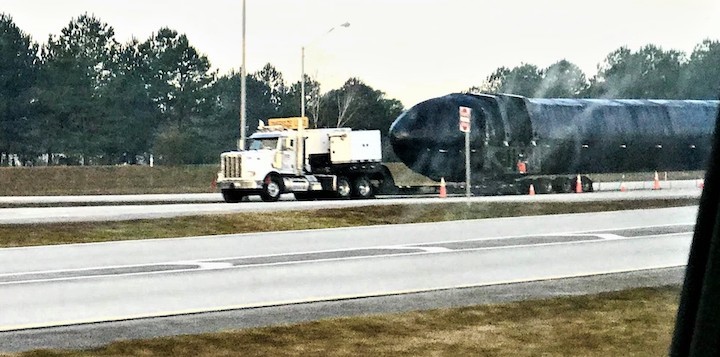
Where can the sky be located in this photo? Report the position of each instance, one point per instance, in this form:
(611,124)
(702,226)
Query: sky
(411,49)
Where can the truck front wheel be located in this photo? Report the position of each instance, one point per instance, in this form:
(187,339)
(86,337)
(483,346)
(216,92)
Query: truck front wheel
(232,196)
(271,190)
(305,196)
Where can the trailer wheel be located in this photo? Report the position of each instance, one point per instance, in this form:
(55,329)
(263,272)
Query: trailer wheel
(362,188)
(343,188)
(232,196)
(271,190)
(543,185)
(587,184)
(563,185)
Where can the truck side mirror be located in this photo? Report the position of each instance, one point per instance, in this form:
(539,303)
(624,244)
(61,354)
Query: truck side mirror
(277,162)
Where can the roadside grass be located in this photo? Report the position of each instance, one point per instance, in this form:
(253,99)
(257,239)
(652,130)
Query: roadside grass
(635,322)
(86,204)
(83,232)
(104,180)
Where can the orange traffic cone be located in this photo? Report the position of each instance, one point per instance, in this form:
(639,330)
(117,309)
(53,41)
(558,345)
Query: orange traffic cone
(578,185)
(443,189)
(656,182)
(531,192)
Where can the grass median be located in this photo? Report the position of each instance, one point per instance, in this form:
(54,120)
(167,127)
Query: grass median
(635,322)
(62,233)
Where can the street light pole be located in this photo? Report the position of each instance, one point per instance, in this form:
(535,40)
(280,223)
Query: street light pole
(300,138)
(302,81)
(243,87)
(302,69)
(300,147)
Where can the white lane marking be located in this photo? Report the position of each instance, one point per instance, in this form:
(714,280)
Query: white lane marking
(572,233)
(107,267)
(382,247)
(433,249)
(606,236)
(204,264)
(208,262)
(210,265)
(667,235)
(610,236)
(39,325)
(297,262)
(99,276)
(194,265)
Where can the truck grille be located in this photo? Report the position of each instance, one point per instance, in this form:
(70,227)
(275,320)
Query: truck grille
(231,166)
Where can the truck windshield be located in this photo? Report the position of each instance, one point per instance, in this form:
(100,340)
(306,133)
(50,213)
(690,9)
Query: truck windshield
(264,144)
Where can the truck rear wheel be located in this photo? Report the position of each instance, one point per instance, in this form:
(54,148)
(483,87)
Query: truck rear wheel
(343,188)
(232,196)
(271,190)
(362,188)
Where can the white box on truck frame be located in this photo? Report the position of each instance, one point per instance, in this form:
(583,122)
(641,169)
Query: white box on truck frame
(355,146)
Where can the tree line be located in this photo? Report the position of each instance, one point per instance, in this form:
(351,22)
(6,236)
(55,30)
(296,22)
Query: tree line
(94,100)
(649,72)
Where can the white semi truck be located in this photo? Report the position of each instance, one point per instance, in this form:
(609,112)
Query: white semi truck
(312,163)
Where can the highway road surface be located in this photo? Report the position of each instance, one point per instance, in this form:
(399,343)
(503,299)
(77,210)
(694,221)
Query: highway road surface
(41,287)
(27,215)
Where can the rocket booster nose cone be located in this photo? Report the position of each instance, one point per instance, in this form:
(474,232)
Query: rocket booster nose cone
(426,137)
(399,128)
(399,134)
(401,137)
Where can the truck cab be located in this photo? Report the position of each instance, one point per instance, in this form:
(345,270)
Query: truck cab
(270,155)
(272,151)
